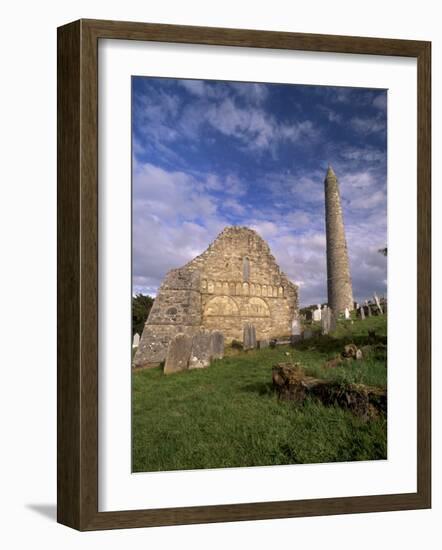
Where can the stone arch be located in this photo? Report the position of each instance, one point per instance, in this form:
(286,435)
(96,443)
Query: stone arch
(252,290)
(225,287)
(232,289)
(281,292)
(264,290)
(218,287)
(220,306)
(275,292)
(238,289)
(210,287)
(258,290)
(255,307)
(245,289)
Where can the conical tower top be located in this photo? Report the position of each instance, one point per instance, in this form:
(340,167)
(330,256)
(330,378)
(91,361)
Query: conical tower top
(330,173)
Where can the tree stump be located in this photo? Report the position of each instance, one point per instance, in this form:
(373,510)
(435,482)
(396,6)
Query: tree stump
(292,384)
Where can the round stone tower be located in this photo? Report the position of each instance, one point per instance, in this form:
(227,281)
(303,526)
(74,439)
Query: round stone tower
(340,294)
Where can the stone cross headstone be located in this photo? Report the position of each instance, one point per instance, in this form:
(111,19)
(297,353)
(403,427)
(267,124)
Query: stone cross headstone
(136,340)
(362,312)
(201,352)
(249,337)
(178,354)
(317,313)
(378,304)
(217,344)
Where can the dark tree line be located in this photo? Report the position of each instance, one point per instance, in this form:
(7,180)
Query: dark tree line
(141,306)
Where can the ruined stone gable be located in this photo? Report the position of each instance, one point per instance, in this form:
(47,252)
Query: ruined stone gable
(234,282)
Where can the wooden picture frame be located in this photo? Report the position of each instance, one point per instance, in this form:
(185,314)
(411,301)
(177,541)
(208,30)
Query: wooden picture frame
(77,226)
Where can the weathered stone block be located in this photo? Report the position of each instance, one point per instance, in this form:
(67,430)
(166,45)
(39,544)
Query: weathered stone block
(178,354)
(201,353)
(249,337)
(217,344)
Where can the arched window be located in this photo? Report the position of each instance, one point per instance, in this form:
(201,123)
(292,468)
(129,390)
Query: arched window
(245,269)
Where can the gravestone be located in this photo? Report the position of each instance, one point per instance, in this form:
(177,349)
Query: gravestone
(362,312)
(296,331)
(367,305)
(378,305)
(317,313)
(178,354)
(262,344)
(136,340)
(296,327)
(249,337)
(217,344)
(346,313)
(328,323)
(201,352)
(308,334)
(325,320)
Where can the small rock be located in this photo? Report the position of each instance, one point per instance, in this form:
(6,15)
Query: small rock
(350,351)
(358,356)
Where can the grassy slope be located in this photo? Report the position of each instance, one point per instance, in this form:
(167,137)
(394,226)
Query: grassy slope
(228,416)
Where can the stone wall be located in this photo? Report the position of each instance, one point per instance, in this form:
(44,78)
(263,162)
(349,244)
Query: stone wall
(234,282)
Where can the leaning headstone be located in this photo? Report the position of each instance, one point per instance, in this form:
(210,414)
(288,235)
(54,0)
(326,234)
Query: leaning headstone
(178,354)
(201,353)
(249,337)
(317,313)
(217,344)
(262,344)
(136,340)
(378,305)
(362,312)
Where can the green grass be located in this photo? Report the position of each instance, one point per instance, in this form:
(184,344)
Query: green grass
(228,415)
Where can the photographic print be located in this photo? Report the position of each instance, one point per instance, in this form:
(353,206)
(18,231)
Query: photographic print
(259,274)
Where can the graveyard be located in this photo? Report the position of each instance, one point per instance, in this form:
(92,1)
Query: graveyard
(230,414)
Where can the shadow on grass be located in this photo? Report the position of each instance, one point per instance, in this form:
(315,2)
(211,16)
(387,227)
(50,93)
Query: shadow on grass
(261,388)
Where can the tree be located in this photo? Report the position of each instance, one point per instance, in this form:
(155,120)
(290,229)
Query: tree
(141,306)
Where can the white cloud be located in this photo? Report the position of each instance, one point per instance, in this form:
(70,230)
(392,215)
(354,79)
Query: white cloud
(380,101)
(368,125)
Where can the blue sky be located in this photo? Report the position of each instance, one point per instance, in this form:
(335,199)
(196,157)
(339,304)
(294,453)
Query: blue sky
(208,154)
